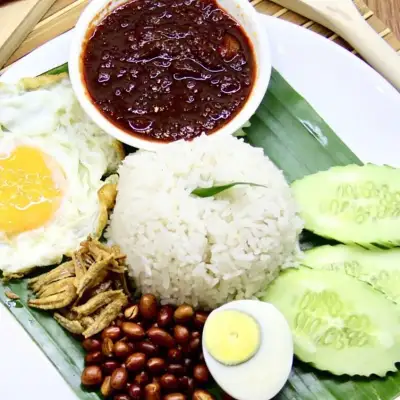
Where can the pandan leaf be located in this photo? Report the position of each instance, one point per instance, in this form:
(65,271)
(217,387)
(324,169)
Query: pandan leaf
(214,190)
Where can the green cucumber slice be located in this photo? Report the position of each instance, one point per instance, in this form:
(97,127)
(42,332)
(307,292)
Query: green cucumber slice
(379,268)
(352,204)
(339,323)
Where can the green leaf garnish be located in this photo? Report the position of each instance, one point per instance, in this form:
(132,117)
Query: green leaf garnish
(214,190)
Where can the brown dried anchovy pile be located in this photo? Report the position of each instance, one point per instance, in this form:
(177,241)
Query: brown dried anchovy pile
(89,291)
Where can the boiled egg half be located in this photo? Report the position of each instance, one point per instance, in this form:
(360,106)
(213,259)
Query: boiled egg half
(248,349)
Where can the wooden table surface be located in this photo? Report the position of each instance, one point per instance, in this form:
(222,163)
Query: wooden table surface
(388,11)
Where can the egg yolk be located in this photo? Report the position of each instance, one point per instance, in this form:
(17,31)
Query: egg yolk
(232,337)
(31,185)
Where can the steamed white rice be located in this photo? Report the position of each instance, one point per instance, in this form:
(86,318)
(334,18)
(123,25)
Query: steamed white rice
(204,251)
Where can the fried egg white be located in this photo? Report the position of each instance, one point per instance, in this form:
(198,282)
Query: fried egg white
(52,161)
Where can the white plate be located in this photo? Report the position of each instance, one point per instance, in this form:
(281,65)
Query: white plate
(360,106)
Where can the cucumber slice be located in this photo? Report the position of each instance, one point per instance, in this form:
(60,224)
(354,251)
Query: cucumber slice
(339,324)
(379,268)
(352,204)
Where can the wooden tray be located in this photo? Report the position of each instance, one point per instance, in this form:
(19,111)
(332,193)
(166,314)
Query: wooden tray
(18,18)
(63,15)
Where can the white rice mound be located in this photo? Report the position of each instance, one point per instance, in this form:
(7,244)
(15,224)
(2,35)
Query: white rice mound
(204,251)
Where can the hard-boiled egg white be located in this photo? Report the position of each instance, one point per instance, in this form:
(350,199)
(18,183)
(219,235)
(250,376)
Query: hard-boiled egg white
(248,349)
(52,163)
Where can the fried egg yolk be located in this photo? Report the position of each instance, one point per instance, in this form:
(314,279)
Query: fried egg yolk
(31,189)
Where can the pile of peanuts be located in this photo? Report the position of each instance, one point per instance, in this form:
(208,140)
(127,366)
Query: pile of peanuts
(150,353)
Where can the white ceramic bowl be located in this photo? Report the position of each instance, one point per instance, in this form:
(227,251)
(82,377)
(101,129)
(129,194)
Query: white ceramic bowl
(240,10)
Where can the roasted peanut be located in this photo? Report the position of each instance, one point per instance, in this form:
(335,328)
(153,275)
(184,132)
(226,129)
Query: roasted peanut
(183,313)
(148,306)
(94,358)
(160,337)
(169,382)
(165,316)
(175,355)
(142,379)
(136,362)
(181,334)
(106,388)
(112,332)
(123,349)
(175,396)
(156,379)
(195,334)
(200,373)
(186,384)
(185,349)
(200,319)
(135,391)
(156,365)
(107,347)
(92,376)
(121,397)
(176,369)
(132,312)
(119,378)
(132,330)
(202,395)
(187,364)
(91,345)
(152,391)
(162,363)
(148,348)
(110,366)
(194,345)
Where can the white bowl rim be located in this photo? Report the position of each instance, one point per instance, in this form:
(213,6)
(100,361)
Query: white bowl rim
(260,85)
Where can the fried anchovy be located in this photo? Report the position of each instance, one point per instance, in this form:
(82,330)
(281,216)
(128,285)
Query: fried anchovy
(117,252)
(94,276)
(120,283)
(87,321)
(115,267)
(101,246)
(107,315)
(60,300)
(103,287)
(67,313)
(80,269)
(97,302)
(73,326)
(65,270)
(87,259)
(118,255)
(98,252)
(55,287)
(11,295)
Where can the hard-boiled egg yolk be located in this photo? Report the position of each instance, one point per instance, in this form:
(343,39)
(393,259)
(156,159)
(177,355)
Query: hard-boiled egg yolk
(31,184)
(232,337)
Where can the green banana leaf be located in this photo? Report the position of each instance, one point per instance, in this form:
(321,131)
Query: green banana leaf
(299,142)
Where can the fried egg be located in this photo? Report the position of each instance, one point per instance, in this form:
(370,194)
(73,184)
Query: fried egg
(52,163)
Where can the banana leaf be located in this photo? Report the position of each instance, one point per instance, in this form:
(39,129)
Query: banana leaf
(299,142)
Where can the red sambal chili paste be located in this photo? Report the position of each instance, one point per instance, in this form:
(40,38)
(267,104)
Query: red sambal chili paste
(169,69)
